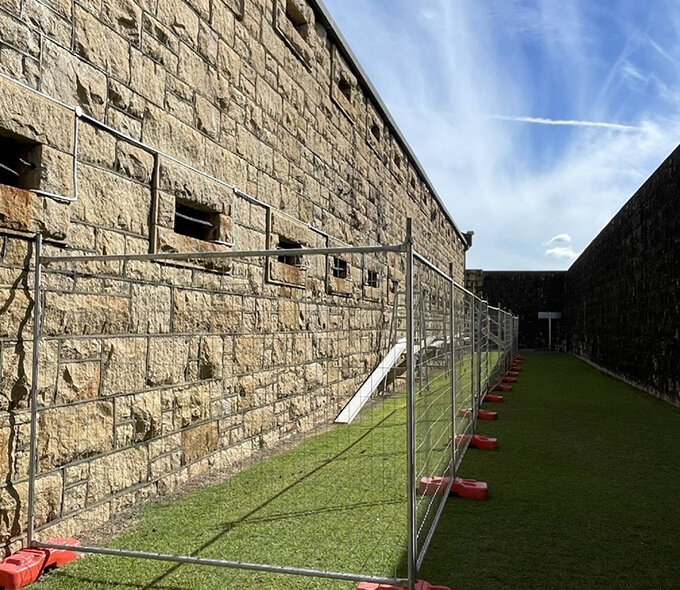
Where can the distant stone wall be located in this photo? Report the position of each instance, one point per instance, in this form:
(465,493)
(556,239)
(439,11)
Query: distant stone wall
(525,293)
(623,291)
(152,373)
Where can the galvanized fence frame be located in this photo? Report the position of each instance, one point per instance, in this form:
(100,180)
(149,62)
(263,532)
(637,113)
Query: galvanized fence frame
(468,328)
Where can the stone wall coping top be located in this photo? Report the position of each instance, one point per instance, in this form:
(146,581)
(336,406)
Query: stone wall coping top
(352,60)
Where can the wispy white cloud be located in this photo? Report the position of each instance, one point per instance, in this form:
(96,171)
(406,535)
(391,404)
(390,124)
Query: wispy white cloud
(562,253)
(558,239)
(566,122)
(599,80)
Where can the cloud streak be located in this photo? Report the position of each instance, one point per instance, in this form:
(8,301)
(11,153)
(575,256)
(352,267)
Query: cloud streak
(577,68)
(566,122)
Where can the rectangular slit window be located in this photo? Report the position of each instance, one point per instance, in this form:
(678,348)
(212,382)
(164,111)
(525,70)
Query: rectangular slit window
(339,268)
(372,279)
(296,18)
(290,259)
(20,163)
(375,131)
(197,223)
(345,88)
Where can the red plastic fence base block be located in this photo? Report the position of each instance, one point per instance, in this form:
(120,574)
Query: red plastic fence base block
(501,387)
(493,399)
(464,412)
(26,565)
(487,415)
(516,368)
(509,379)
(470,489)
(420,585)
(433,486)
(518,359)
(462,439)
(512,373)
(486,443)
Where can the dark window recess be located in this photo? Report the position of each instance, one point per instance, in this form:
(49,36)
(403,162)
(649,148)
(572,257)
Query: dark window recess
(372,279)
(375,131)
(196,223)
(413,182)
(20,163)
(297,19)
(345,88)
(397,160)
(290,259)
(339,268)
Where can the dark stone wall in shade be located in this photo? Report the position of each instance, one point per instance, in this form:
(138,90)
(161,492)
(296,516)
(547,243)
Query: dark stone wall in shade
(525,294)
(623,292)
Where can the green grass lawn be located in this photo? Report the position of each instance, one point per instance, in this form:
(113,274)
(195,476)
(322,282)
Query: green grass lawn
(582,496)
(583,490)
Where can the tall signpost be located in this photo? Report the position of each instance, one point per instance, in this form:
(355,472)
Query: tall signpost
(550,316)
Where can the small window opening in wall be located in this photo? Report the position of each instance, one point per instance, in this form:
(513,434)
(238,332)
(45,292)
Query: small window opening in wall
(297,19)
(397,160)
(413,183)
(290,259)
(20,163)
(195,222)
(345,88)
(372,279)
(339,268)
(375,131)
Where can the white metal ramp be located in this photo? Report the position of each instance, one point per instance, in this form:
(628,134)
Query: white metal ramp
(358,401)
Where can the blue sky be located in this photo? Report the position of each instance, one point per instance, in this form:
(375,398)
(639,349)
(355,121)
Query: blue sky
(535,119)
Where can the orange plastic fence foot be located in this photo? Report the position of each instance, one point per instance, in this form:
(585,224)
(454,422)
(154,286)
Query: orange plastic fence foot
(420,585)
(501,387)
(26,565)
(509,379)
(470,489)
(493,399)
(486,443)
(433,486)
(487,415)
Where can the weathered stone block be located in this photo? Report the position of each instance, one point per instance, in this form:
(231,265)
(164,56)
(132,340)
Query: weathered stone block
(73,432)
(199,442)
(124,365)
(109,200)
(78,381)
(147,77)
(113,56)
(150,309)
(172,136)
(192,403)
(116,472)
(168,358)
(74,313)
(24,211)
(72,80)
(258,421)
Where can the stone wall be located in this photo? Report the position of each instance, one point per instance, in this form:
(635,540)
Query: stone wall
(254,115)
(623,291)
(524,293)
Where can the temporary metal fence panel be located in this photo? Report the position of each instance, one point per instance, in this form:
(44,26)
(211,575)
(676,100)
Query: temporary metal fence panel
(153,369)
(433,393)
(464,407)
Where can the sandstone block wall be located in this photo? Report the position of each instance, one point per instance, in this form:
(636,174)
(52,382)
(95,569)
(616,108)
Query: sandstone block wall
(623,291)
(251,113)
